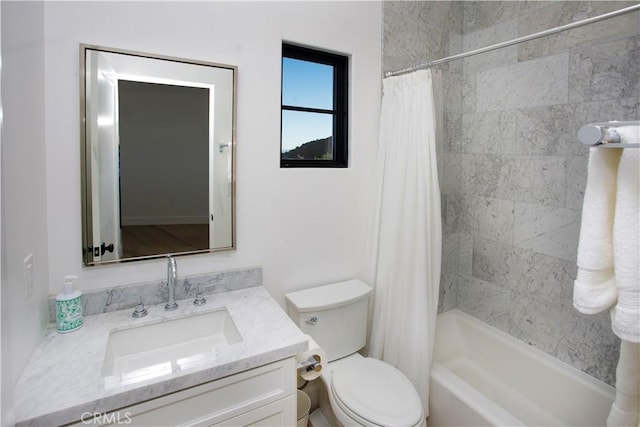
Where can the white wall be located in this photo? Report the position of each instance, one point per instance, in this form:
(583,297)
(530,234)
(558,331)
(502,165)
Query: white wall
(24,207)
(303,226)
(6,385)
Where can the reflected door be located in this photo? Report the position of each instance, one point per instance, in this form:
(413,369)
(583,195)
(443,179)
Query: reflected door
(105,181)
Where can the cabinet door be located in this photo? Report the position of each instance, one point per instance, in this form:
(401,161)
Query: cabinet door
(280,413)
(210,403)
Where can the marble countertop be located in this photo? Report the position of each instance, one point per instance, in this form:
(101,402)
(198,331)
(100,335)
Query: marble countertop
(63,378)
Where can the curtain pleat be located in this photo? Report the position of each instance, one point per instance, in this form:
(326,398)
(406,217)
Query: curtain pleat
(405,250)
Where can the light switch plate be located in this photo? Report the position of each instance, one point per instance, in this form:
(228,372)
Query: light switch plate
(28,275)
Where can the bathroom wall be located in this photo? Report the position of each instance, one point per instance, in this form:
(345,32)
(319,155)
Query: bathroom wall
(24,177)
(6,382)
(515,173)
(24,199)
(303,226)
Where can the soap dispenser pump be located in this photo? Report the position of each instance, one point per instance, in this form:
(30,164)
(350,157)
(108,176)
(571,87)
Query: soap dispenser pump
(69,307)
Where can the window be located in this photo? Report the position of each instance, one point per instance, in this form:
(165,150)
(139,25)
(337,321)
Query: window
(314,108)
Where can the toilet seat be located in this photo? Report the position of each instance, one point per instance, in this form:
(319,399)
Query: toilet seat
(373,392)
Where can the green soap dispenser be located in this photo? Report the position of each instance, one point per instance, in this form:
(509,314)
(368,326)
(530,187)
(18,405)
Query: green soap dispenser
(69,307)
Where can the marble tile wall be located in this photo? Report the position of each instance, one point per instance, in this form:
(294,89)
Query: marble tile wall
(514,175)
(415,32)
(522,173)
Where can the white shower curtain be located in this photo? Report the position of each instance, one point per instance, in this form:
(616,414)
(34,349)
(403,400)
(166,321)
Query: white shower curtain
(405,251)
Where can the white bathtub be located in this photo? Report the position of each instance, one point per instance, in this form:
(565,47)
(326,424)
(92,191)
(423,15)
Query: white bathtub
(482,376)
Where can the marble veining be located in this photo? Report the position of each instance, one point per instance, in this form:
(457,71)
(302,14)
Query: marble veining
(489,132)
(549,230)
(501,32)
(127,296)
(565,12)
(533,83)
(63,378)
(601,72)
(479,15)
(413,32)
(534,179)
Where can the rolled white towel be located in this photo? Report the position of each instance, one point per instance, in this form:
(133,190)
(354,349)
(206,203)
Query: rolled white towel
(595,288)
(629,134)
(626,248)
(626,407)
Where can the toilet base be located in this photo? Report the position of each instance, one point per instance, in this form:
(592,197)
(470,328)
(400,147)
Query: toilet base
(324,405)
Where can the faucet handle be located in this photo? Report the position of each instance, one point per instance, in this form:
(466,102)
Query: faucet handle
(140,311)
(200,300)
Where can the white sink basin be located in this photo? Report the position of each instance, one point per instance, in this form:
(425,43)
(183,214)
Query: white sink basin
(157,349)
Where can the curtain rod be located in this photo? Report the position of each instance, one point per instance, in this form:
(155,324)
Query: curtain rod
(517,40)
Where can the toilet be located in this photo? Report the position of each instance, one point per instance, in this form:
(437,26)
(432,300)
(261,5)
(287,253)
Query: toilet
(361,390)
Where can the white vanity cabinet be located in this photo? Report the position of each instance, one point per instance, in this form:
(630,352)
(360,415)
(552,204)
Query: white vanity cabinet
(263,396)
(250,382)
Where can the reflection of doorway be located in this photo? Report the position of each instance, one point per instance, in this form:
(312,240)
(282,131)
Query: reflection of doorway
(164,168)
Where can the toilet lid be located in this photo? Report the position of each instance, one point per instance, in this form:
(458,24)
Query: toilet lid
(378,393)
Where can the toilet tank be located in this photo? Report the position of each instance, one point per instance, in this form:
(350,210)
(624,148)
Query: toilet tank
(334,315)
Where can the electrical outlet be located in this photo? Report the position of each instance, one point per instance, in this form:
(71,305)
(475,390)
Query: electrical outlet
(28,275)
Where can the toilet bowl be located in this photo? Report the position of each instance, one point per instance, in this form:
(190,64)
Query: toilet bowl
(361,390)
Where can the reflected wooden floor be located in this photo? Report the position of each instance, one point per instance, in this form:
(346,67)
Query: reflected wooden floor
(144,240)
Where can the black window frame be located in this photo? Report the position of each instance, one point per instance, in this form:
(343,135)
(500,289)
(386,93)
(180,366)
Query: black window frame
(340,110)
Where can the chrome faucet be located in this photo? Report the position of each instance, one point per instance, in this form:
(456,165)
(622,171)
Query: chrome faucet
(172,276)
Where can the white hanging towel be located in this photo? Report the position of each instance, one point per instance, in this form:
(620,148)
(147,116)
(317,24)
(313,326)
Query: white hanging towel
(625,315)
(595,286)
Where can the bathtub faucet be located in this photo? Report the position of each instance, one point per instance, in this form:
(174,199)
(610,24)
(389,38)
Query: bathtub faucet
(172,276)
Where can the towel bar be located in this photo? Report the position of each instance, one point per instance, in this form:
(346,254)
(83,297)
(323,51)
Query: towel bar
(604,135)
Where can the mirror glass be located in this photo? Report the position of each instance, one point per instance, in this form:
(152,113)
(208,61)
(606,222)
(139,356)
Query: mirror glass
(158,155)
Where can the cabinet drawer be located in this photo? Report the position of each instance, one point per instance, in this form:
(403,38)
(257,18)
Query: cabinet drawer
(213,402)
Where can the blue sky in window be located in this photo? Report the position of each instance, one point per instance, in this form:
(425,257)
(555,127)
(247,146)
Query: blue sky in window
(299,127)
(306,84)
